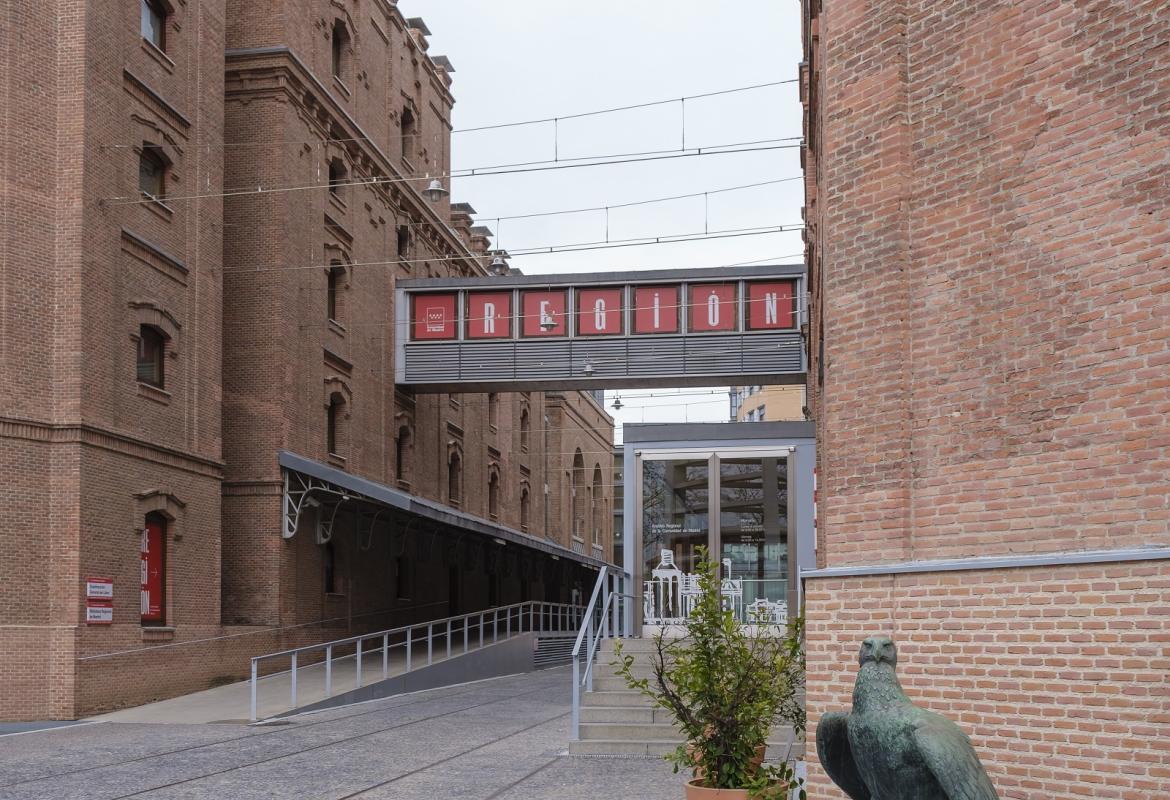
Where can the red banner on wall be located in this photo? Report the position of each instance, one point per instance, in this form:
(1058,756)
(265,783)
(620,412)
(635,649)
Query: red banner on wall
(433,316)
(151,565)
(599,312)
(771,305)
(543,313)
(656,309)
(712,307)
(489,315)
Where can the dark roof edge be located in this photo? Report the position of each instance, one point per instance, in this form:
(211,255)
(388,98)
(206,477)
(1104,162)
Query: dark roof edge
(603,277)
(437,512)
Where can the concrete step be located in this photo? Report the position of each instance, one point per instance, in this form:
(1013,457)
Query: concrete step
(620,731)
(614,699)
(621,748)
(625,714)
(609,683)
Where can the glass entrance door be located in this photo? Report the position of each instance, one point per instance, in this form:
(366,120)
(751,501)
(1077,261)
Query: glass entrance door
(675,512)
(753,531)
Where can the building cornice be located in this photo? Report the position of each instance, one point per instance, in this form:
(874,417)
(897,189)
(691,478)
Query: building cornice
(252,62)
(112,441)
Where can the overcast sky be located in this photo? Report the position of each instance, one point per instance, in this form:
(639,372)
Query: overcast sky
(524,59)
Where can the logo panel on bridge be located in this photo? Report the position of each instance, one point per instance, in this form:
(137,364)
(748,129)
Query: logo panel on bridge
(489,315)
(599,312)
(712,307)
(433,316)
(771,305)
(656,309)
(543,313)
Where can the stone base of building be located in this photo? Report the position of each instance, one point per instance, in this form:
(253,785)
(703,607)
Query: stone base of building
(1057,673)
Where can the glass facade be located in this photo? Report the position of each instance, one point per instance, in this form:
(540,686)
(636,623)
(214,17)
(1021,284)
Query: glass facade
(675,511)
(737,506)
(753,525)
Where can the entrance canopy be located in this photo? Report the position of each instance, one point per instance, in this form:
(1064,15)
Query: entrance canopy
(310,484)
(606,329)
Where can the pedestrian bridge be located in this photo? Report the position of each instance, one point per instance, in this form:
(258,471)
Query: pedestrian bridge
(696,327)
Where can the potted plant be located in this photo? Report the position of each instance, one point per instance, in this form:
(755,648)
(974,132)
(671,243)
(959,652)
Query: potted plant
(725,689)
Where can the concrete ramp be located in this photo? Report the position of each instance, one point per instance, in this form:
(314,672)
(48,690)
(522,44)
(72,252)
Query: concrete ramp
(509,657)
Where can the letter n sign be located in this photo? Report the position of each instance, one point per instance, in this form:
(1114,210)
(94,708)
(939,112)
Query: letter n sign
(599,312)
(712,307)
(771,305)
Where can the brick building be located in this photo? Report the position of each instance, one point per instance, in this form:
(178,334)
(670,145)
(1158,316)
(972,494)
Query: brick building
(171,340)
(989,267)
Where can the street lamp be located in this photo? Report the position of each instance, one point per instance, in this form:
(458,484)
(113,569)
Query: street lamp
(435,191)
(547,323)
(617,403)
(499,266)
(588,368)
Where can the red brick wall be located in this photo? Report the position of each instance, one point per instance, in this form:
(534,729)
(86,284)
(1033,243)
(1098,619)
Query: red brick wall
(995,244)
(1058,675)
(989,253)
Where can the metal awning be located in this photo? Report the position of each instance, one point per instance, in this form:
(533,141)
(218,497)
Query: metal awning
(306,482)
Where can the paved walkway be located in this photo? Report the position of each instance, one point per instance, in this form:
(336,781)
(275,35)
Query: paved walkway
(501,739)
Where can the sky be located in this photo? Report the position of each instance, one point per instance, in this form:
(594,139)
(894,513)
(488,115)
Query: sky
(519,60)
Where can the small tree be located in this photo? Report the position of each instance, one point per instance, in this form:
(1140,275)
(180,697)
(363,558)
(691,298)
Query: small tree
(726,690)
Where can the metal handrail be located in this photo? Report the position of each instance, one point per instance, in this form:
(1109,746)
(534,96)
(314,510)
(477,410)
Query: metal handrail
(560,616)
(585,636)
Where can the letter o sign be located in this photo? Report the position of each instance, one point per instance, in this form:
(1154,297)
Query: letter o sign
(712,307)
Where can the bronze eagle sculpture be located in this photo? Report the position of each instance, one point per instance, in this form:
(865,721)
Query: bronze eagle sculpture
(889,749)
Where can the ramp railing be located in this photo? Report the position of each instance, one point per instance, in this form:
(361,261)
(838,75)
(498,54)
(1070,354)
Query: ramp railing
(605,614)
(417,645)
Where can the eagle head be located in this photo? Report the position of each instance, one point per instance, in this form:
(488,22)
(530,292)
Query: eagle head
(878,649)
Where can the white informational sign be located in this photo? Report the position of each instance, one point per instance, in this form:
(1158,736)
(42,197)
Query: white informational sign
(99,614)
(99,588)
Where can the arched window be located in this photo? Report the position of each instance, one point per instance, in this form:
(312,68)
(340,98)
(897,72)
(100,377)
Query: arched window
(152,171)
(335,278)
(525,430)
(337,176)
(402,454)
(455,478)
(578,495)
(152,348)
(340,50)
(333,418)
(596,503)
(153,566)
(494,496)
(409,135)
(525,502)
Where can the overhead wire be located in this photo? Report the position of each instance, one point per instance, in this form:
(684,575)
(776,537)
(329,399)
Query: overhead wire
(516,168)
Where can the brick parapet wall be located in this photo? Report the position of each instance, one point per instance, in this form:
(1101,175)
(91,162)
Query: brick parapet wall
(1058,674)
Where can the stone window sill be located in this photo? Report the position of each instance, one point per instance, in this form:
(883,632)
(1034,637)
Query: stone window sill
(335,199)
(337,327)
(336,460)
(158,55)
(160,396)
(158,207)
(340,86)
(158,633)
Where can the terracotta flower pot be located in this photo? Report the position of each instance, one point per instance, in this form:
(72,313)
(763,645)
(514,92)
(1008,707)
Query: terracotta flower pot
(697,792)
(756,761)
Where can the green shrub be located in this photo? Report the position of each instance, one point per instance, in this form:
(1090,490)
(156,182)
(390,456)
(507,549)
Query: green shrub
(726,690)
